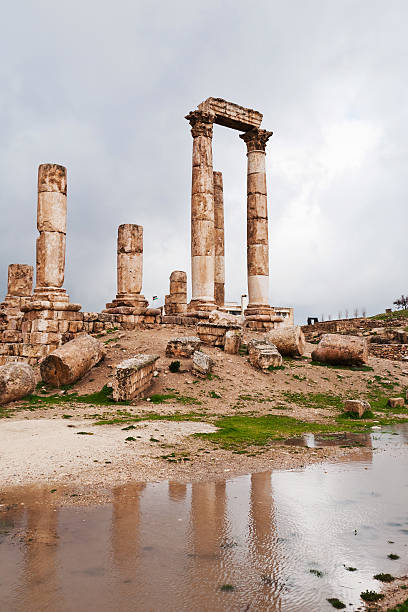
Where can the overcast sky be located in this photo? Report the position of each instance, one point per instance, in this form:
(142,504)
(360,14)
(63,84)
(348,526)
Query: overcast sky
(103,88)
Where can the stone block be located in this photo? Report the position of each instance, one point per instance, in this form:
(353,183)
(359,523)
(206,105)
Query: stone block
(202,363)
(16,381)
(10,335)
(75,326)
(232,341)
(396,402)
(133,376)
(263,354)
(358,407)
(91,316)
(70,362)
(182,347)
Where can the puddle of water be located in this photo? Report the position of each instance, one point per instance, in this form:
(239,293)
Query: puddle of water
(171,547)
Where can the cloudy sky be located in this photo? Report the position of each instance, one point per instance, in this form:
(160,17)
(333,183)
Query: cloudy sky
(103,88)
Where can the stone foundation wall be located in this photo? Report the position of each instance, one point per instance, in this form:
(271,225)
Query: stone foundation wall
(32,335)
(349,326)
(396,352)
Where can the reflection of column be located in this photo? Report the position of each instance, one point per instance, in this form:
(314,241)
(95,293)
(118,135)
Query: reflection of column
(41,591)
(51,223)
(262,528)
(177,491)
(125,523)
(257,219)
(202,212)
(219,274)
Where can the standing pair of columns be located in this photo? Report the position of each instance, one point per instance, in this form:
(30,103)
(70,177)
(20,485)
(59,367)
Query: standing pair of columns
(207,265)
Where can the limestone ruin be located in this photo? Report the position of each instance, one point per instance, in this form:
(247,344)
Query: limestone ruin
(34,324)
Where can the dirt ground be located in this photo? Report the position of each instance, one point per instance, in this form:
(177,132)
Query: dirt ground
(47,443)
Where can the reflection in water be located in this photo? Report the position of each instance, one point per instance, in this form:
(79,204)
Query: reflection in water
(174,547)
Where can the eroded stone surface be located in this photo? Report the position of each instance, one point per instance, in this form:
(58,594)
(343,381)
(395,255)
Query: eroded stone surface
(20,280)
(263,354)
(337,349)
(232,341)
(16,381)
(231,115)
(396,402)
(357,407)
(182,347)
(202,363)
(133,376)
(72,361)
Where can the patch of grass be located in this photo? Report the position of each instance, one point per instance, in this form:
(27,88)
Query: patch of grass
(158,398)
(174,366)
(211,376)
(384,577)
(350,568)
(130,439)
(387,316)
(272,368)
(227,587)
(298,377)
(67,416)
(368,414)
(214,394)
(241,430)
(99,398)
(371,596)
(336,603)
(393,557)
(362,368)
(314,400)
(84,433)
(316,572)
(128,428)
(152,416)
(109,340)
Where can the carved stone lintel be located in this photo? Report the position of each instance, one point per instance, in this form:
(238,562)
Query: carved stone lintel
(201,123)
(256,139)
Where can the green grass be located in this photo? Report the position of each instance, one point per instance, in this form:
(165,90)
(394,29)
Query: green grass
(152,416)
(158,398)
(363,368)
(371,596)
(388,316)
(240,430)
(99,398)
(214,394)
(316,572)
(384,577)
(393,556)
(314,400)
(336,603)
(272,368)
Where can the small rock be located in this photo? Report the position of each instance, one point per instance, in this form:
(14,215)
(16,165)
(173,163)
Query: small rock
(202,363)
(396,402)
(155,373)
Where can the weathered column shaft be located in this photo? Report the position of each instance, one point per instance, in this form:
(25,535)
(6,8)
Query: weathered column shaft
(51,223)
(20,280)
(257,218)
(219,269)
(202,209)
(130,259)
(176,301)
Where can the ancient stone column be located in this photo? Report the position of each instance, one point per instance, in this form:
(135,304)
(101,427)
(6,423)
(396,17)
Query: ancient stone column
(176,301)
(51,223)
(129,268)
(202,212)
(257,220)
(219,270)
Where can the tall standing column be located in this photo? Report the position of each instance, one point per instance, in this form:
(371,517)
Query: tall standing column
(257,221)
(51,223)
(129,268)
(219,271)
(202,212)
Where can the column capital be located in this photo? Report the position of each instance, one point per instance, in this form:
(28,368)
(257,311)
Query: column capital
(201,123)
(256,139)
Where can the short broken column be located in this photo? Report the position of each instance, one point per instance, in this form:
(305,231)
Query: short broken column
(133,377)
(219,272)
(176,301)
(257,227)
(51,223)
(19,288)
(290,341)
(336,349)
(129,271)
(202,212)
(72,361)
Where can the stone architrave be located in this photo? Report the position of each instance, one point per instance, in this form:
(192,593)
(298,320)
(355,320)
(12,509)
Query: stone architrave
(219,271)
(257,223)
(202,212)
(129,270)
(51,223)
